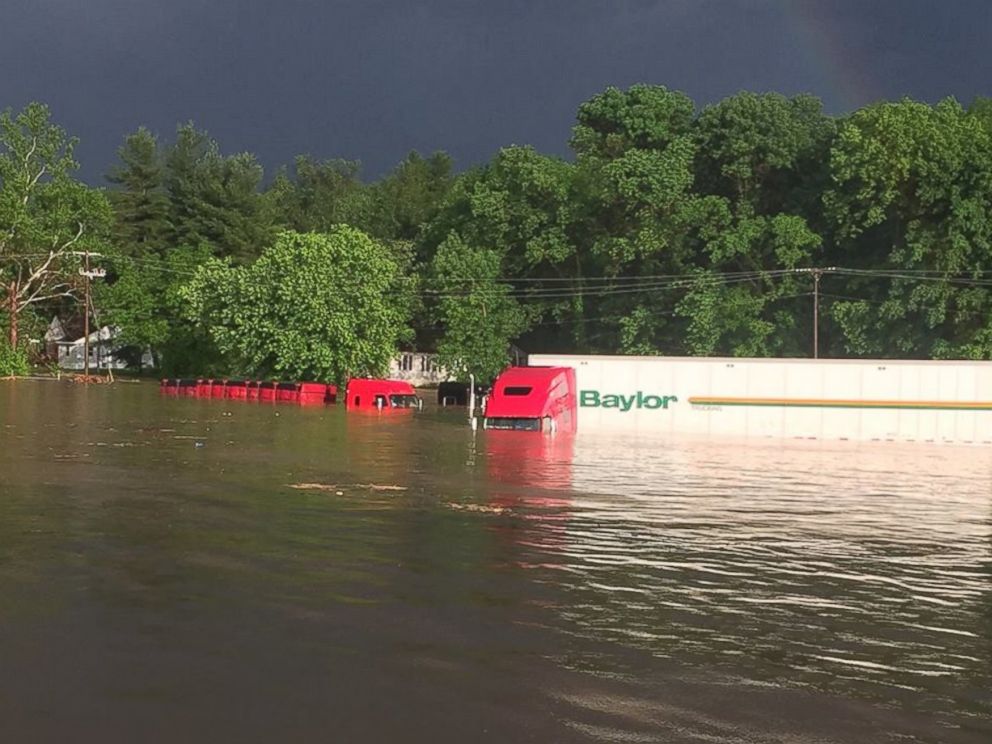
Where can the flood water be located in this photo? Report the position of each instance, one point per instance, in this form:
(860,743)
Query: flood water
(178,570)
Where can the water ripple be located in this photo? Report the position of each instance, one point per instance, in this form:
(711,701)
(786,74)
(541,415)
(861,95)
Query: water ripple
(852,570)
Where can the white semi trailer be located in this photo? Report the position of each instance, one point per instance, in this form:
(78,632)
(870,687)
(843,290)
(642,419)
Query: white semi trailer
(905,401)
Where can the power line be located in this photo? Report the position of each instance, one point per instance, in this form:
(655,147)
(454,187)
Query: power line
(665,313)
(558,292)
(886,274)
(691,275)
(611,285)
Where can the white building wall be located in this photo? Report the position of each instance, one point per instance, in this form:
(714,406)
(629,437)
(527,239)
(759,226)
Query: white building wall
(419,369)
(883,400)
(103,345)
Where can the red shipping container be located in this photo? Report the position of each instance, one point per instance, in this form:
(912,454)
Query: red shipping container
(266,391)
(288,392)
(312,393)
(235,389)
(251,390)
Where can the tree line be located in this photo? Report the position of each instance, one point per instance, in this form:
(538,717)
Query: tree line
(673,230)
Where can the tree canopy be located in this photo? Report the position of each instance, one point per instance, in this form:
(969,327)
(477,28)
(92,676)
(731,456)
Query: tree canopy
(46,215)
(674,229)
(314,306)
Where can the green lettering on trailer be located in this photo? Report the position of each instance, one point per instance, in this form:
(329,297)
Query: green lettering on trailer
(589,399)
(625,403)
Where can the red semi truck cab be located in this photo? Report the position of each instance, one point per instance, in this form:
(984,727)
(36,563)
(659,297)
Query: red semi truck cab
(369,394)
(533,399)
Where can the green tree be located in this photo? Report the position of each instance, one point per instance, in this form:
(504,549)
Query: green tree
(13,361)
(765,151)
(674,231)
(644,117)
(313,306)
(142,297)
(141,205)
(146,266)
(409,197)
(910,209)
(981,109)
(215,199)
(636,216)
(759,169)
(45,214)
(321,195)
(479,315)
(517,207)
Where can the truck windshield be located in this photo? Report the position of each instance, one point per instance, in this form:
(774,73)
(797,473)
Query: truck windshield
(516,424)
(403,401)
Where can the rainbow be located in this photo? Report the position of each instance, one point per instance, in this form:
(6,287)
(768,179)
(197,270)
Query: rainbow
(830,53)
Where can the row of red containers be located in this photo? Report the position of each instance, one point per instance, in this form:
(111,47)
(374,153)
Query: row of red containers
(289,392)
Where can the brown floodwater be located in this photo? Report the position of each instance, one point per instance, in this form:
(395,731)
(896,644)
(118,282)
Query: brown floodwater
(181,570)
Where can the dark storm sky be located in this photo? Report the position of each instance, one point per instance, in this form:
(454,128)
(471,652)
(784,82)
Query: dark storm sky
(373,79)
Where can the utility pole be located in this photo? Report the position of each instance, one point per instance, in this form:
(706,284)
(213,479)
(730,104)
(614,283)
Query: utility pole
(817,275)
(88,275)
(86,318)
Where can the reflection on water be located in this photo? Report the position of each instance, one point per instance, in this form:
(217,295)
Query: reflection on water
(855,571)
(163,581)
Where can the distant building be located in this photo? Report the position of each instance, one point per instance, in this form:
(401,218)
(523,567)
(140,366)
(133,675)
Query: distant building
(422,369)
(55,334)
(103,349)
(417,368)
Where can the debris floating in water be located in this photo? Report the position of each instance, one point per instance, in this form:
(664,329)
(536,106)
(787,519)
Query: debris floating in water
(334,487)
(313,486)
(478,508)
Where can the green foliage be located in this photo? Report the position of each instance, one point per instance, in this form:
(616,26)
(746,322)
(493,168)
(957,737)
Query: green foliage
(13,361)
(727,319)
(644,117)
(45,214)
(516,208)
(517,204)
(635,215)
(674,231)
(322,195)
(683,233)
(761,149)
(143,298)
(911,195)
(409,197)
(141,206)
(479,315)
(214,199)
(756,162)
(313,306)
(176,205)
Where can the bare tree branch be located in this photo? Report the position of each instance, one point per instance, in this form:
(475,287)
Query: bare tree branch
(30,154)
(30,183)
(38,273)
(69,243)
(45,298)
